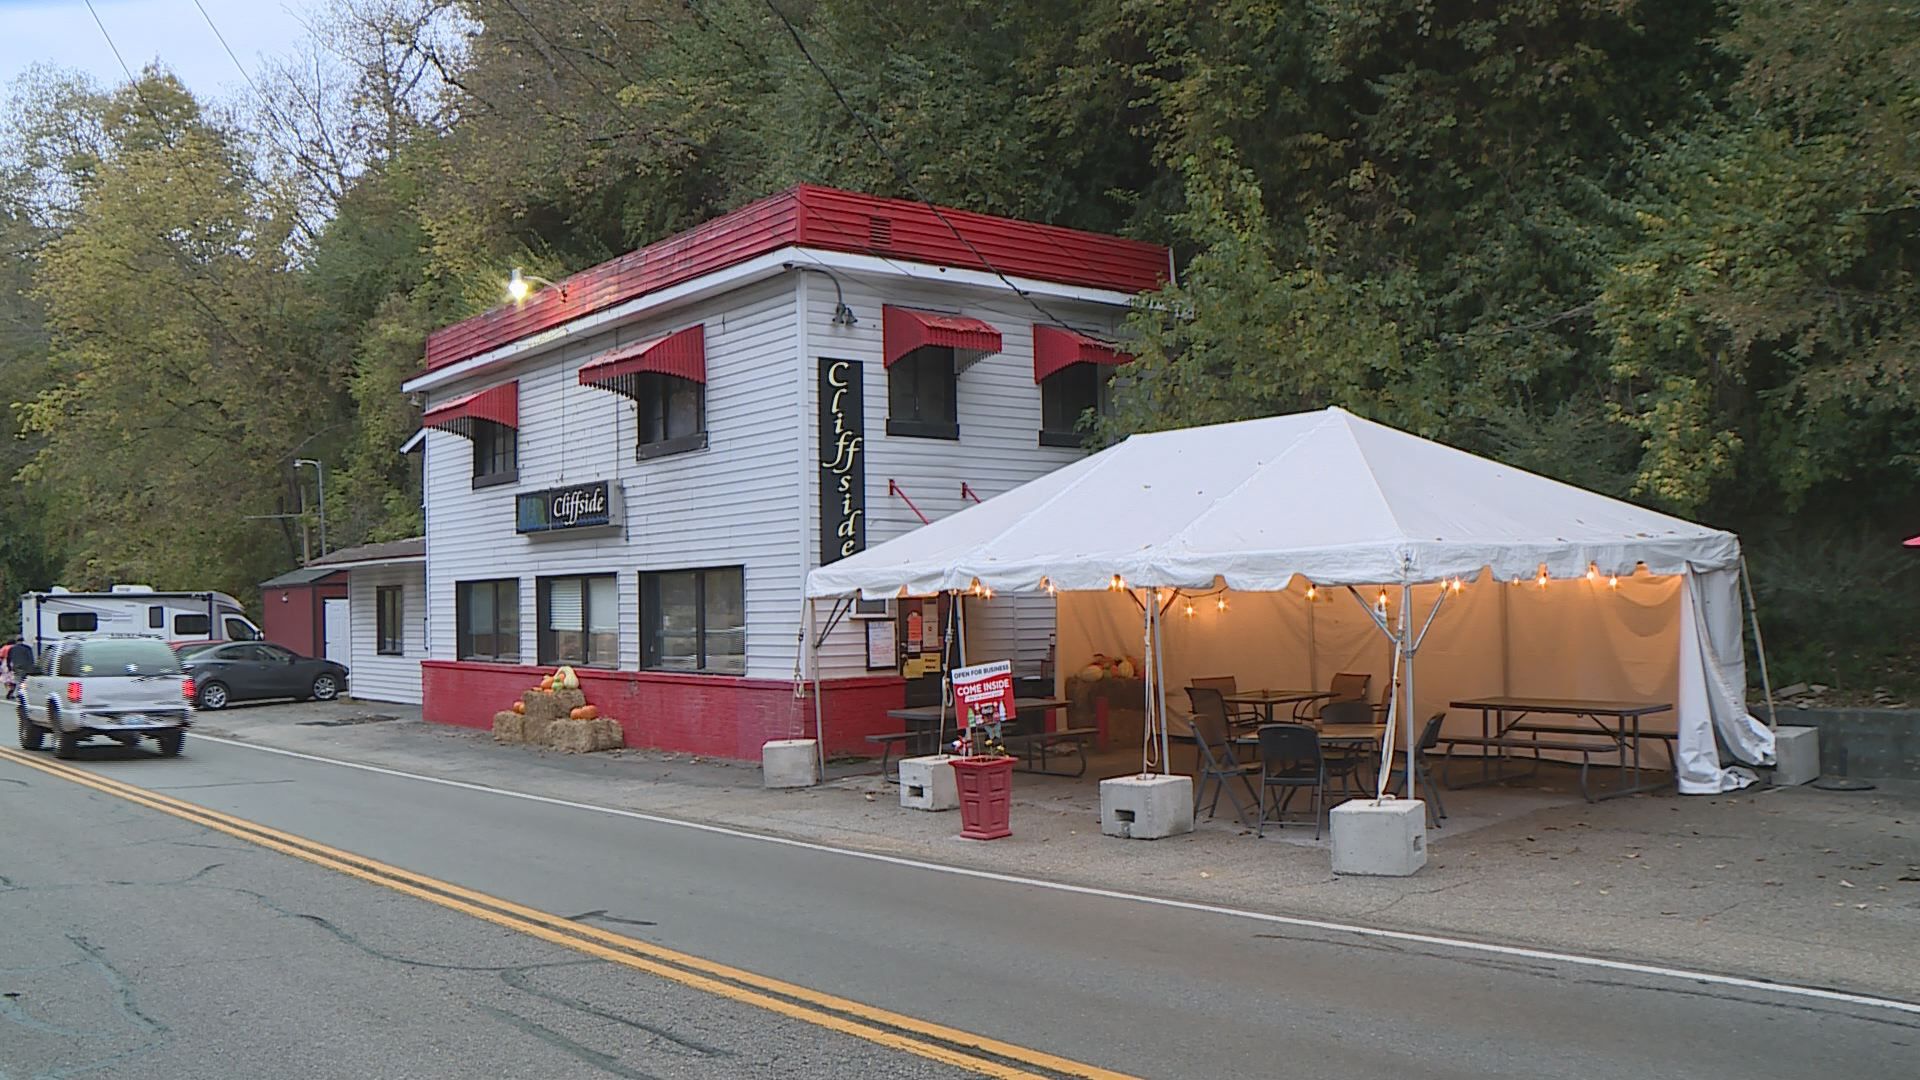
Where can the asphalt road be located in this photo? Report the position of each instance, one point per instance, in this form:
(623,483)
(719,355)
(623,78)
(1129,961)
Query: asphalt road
(133,943)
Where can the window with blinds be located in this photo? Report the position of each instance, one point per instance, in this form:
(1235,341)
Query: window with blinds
(580,620)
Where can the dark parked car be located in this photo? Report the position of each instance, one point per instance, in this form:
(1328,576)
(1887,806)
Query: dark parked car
(252,670)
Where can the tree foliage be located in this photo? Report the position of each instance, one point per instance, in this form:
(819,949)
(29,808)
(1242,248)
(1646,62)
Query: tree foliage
(1664,250)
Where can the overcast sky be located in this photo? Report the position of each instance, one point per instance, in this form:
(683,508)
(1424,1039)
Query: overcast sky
(62,32)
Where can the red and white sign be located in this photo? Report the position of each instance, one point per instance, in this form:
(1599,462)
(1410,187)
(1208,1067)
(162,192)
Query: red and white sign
(986,689)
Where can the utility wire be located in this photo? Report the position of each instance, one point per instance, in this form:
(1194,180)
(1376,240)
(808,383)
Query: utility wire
(900,171)
(293,134)
(116,49)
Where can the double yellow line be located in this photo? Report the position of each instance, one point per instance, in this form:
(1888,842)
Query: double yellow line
(950,1046)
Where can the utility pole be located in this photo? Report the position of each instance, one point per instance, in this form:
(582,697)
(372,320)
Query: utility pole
(320,479)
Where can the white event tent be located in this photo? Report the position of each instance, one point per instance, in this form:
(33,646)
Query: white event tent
(1527,585)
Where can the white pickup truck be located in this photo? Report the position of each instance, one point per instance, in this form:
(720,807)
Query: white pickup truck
(113,686)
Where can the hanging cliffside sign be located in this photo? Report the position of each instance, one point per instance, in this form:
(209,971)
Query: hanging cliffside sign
(564,509)
(843,461)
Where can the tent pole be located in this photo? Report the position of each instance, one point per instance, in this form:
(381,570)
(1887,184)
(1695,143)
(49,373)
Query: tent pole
(1160,691)
(819,699)
(1406,677)
(1147,611)
(1759,645)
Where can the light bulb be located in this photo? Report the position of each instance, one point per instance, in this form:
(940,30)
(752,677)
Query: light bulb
(1189,609)
(1593,572)
(1613,582)
(517,286)
(1221,603)
(1312,592)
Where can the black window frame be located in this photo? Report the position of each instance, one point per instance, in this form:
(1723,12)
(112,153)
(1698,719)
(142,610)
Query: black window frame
(652,409)
(156,617)
(906,376)
(390,627)
(80,622)
(181,631)
(545,641)
(1054,386)
(463,636)
(650,631)
(496,453)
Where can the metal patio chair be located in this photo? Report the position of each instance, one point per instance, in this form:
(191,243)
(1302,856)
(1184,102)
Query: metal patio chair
(1422,771)
(1290,759)
(1218,764)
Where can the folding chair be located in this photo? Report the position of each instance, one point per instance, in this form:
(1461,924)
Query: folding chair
(1290,759)
(1217,763)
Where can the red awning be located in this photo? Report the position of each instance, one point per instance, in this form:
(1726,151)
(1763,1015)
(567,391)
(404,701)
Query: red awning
(500,404)
(1054,348)
(682,354)
(905,330)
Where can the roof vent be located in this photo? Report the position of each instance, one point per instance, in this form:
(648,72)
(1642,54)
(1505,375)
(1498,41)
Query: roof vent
(880,232)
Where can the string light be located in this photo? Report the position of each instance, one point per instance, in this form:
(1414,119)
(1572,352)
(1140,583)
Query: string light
(1593,572)
(1311,591)
(1189,609)
(1381,600)
(1221,603)
(1116,584)
(1456,585)
(1542,579)
(1613,582)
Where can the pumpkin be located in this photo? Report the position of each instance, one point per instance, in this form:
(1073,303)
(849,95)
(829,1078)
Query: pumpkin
(1124,669)
(520,707)
(589,712)
(546,683)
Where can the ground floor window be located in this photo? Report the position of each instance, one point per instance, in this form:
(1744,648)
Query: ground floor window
(488,615)
(579,621)
(694,620)
(389,611)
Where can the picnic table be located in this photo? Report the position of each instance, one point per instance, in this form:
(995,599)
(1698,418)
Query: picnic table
(1265,700)
(923,735)
(1607,728)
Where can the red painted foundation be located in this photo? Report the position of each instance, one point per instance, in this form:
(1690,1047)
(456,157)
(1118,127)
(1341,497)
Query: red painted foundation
(712,715)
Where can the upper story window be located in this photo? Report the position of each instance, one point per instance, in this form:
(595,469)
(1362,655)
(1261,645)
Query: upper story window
(666,377)
(921,394)
(496,454)
(925,353)
(672,412)
(1072,370)
(1065,397)
(490,418)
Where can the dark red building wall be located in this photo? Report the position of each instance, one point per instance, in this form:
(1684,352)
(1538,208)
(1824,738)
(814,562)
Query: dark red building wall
(294,615)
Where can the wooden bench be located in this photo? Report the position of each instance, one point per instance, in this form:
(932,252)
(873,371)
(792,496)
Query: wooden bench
(887,742)
(1527,739)
(1040,744)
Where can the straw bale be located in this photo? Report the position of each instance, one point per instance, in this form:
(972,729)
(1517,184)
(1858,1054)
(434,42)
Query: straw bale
(584,736)
(509,727)
(543,705)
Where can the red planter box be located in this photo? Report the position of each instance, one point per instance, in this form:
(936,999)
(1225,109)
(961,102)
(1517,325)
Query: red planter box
(986,796)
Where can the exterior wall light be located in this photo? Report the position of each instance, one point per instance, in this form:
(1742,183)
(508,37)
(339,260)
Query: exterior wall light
(520,285)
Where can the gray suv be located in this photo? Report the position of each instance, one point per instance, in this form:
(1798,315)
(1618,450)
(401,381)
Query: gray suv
(110,686)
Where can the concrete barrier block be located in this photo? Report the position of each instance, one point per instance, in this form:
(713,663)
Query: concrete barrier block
(1387,839)
(926,783)
(788,763)
(1796,755)
(1146,807)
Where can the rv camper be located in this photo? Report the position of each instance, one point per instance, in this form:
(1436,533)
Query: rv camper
(133,609)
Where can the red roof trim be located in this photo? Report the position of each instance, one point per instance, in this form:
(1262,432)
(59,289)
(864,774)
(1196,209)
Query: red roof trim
(682,354)
(824,219)
(500,404)
(1055,348)
(904,330)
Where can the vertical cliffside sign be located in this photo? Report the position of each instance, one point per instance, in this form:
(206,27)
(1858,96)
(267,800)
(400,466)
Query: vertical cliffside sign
(843,461)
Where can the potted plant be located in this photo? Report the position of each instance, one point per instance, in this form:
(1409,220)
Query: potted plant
(983,775)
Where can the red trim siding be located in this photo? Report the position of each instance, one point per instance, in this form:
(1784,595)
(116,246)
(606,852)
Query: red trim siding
(1054,348)
(500,404)
(904,330)
(682,353)
(825,219)
(711,715)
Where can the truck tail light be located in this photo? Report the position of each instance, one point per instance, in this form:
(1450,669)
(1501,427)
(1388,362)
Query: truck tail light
(187,690)
(73,691)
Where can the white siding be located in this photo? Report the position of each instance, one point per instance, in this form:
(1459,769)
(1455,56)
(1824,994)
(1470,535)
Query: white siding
(732,504)
(387,678)
(999,415)
(751,498)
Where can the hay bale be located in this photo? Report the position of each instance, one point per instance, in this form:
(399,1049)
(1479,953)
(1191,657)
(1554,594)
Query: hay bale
(584,736)
(543,705)
(509,727)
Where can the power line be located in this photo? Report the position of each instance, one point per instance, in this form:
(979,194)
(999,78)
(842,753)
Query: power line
(900,171)
(116,49)
(292,133)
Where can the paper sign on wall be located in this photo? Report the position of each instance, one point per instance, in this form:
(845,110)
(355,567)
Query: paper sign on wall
(986,689)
